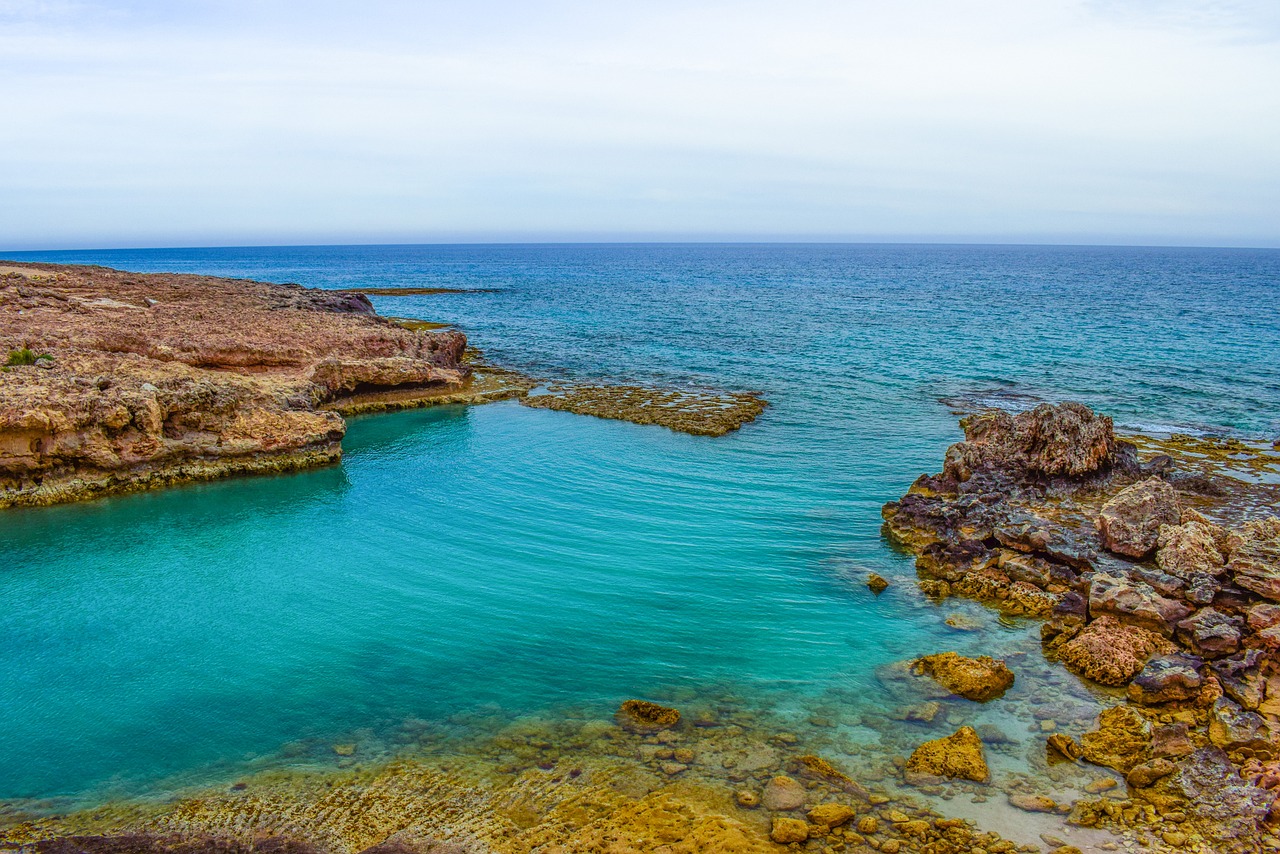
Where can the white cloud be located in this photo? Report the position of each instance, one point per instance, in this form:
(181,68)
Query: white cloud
(142,123)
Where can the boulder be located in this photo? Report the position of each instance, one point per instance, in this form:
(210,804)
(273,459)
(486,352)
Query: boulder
(1241,679)
(980,679)
(1065,439)
(1133,601)
(1130,522)
(1167,678)
(1142,776)
(1231,727)
(1255,557)
(643,716)
(958,755)
(1108,651)
(1197,547)
(877,583)
(1121,741)
(1210,633)
(782,794)
(831,815)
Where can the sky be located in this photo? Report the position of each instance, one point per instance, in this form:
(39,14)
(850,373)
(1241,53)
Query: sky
(200,123)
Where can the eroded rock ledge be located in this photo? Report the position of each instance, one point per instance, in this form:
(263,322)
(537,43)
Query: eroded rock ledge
(1158,573)
(160,378)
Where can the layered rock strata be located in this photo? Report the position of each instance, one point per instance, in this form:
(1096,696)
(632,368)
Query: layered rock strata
(1156,573)
(149,379)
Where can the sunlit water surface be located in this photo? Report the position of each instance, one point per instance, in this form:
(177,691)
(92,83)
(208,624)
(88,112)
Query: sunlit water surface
(512,562)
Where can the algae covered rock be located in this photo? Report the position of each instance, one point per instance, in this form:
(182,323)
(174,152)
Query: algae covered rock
(1121,741)
(643,716)
(1130,522)
(980,679)
(788,830)
(958,755)
(831,815)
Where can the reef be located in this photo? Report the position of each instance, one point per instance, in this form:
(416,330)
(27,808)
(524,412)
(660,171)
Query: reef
(697,411)
(144,380)
(1155,564)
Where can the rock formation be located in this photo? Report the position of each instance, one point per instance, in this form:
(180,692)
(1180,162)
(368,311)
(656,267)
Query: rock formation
(980,679)
(1028,516)
(153,379)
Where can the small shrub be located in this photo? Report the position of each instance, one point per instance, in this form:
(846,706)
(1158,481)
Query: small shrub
(25,356)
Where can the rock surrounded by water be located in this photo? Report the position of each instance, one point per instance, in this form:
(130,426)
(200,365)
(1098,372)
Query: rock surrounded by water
(1050,508)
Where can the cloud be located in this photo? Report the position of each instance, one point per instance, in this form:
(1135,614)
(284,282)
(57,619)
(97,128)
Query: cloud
(146,123)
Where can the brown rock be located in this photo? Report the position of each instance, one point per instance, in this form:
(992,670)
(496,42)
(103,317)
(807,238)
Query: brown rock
(1130,522)
(1142,776)
(957,755)
(160,378)
(1066,439)
(980,679)
(1194,548)
(877,583)
(788,830)
(1131,600)
(1255,557)
(1033,803)
(1063,746)
(831,815)
(782,794)
(1109,652)
(1210,633)
(643,716)
(1167,678)
(1121,741)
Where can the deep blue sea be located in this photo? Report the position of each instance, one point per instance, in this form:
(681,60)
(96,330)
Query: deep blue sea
(513,561)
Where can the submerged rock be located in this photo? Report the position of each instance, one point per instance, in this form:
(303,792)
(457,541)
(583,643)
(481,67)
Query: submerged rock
(958,755)
(1130,522)
(788,830)
(980,679)
(643,716)
(831,815)
(782,794)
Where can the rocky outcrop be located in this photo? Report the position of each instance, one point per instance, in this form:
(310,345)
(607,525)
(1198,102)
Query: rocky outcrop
(1186,618)
(154,379)
(1130,522)
(958,755)
(1063,440)
(980,679)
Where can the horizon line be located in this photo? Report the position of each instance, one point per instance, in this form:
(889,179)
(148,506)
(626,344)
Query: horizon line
(662,242)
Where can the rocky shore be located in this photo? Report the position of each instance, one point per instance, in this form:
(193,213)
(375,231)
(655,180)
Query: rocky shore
(114,381)
(1156,569)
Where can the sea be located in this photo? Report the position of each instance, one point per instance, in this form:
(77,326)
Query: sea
(466,567)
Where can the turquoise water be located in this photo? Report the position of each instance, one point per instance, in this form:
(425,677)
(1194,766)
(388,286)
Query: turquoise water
(512,561)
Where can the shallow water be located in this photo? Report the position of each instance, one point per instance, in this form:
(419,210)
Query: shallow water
(512,562)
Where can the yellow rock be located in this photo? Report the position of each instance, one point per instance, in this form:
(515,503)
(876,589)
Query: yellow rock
(787,830)
(831,815)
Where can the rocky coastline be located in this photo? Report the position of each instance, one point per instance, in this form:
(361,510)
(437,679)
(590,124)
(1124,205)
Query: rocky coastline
(116,382)
(1155,565)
